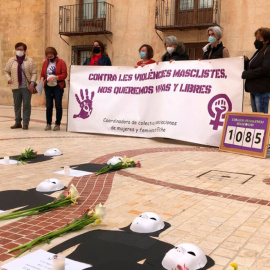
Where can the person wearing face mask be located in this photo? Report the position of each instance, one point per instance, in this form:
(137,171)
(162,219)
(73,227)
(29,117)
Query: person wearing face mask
(175,50)
(257,72)
(146,53)
(53,73)
(215,49)
(98,56)
(21,74)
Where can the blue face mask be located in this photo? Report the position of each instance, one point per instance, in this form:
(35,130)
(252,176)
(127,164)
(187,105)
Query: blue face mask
(212,39)
(143,55)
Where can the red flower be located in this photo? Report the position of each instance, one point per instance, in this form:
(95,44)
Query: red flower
(138,164)
(35,153)
(182,268)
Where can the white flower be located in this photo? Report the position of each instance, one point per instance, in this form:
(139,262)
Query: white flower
(114,160)
(100,211)
(74,193)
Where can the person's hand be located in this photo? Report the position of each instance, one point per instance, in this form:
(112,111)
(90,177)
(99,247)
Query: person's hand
(31,88)
(136,66)
(172,60)
(51,79)
(199,59)
(10,81)
(246,58)
(157,62)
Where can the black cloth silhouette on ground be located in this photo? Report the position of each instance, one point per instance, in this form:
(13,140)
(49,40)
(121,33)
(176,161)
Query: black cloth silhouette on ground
(10,199)
(116,250)
(38,158)
(120,250)
(88,167)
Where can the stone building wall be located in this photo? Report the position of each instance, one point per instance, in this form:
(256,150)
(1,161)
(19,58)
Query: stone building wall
(133,23)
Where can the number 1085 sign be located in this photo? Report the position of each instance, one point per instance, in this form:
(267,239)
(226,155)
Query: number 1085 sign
(246,134)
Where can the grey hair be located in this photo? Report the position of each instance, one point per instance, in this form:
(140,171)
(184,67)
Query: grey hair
(172,40)
(217,31)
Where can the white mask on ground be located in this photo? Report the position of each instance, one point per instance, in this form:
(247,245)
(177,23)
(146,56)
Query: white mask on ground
(50,185)
(185,254)
(147,222)
(53,152)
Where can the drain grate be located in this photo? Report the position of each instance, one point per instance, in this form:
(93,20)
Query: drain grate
(227,176)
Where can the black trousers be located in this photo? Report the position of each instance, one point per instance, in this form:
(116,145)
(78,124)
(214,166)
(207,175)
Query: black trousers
(54,93)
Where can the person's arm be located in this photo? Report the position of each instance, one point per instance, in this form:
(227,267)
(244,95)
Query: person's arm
(63,75)
(108,62)
(226,53)
(262,71)
(7,70)
(34,72)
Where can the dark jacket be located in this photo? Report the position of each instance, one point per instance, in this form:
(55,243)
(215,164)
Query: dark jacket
(216,52)
(103,61)
(178,55)
(257,72)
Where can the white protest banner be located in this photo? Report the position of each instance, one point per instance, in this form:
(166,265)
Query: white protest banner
(184,100)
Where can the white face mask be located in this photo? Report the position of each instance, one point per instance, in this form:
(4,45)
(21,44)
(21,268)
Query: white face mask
(170,50)
(53,152)
(50,185)
(20,53)
(185,254)
(147,222)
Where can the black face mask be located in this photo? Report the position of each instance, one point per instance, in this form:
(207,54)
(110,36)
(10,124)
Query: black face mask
(96,50)
(258,44)
(52,60)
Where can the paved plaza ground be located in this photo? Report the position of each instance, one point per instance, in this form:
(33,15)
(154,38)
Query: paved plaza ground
(218,201)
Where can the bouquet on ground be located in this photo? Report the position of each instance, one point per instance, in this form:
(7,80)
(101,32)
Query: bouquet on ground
(62,201)
(88,217)
(26,154)
(118,163)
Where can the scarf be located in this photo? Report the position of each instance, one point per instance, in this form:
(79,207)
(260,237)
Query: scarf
(19,71)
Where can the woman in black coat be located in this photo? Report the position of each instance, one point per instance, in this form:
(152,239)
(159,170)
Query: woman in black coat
(175,50)
(257,72)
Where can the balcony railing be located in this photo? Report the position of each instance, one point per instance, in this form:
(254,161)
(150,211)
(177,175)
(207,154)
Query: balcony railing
(85,19)
(186,14)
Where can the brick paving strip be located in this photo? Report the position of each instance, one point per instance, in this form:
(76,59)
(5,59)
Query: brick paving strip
(94,190)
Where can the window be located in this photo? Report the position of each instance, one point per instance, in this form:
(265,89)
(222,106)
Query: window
(205,3)
(189,4)
(80,53)
(93,9)
(186,4)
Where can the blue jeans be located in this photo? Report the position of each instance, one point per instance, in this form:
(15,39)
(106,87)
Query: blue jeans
(259,102)
(54,93)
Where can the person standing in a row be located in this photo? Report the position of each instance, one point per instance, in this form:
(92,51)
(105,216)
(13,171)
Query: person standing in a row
(98,56)
(175,50)
(215,49)
(53,73)
(21,74)
(257,72)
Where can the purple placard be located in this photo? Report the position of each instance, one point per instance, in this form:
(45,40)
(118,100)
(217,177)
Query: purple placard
(237,124)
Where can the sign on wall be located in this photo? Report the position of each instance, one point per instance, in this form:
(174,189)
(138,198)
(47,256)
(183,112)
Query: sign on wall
(246,133)
(184,100)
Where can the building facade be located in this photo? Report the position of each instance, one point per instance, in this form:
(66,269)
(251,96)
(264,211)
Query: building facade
(71,26)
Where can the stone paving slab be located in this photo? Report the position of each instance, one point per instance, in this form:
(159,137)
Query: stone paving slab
(219,201)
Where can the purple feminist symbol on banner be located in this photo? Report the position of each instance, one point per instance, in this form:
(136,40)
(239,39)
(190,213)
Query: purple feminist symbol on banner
(85,104)
(217,107)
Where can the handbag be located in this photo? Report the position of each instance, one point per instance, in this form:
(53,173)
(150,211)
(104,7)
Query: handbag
(35,84)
